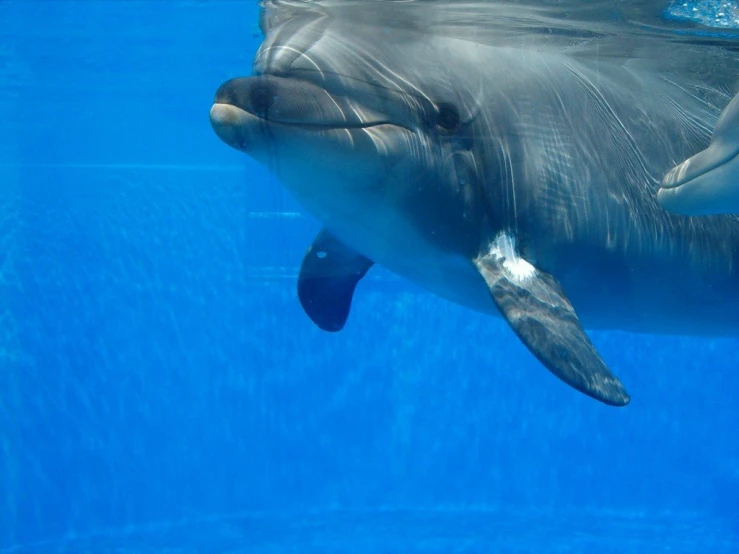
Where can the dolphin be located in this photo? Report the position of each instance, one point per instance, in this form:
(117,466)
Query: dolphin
(708,183)
(517,181)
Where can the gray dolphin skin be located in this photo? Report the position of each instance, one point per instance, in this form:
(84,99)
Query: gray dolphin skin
(510,176)
(708,183)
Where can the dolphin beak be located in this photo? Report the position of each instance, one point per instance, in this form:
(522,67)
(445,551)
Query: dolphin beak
(291,102)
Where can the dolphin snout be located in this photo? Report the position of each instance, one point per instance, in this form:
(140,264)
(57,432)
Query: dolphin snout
(277,99)
(294,102)
(252,94)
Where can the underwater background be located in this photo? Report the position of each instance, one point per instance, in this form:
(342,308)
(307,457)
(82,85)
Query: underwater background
(161,389)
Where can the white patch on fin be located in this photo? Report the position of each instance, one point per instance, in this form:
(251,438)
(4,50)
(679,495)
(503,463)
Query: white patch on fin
(504,250)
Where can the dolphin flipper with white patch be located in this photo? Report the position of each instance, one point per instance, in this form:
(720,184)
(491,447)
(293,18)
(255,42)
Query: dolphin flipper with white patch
(708,183)
(328,276)
(537,309)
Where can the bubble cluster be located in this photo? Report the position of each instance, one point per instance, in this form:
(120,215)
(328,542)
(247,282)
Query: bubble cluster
(711,13)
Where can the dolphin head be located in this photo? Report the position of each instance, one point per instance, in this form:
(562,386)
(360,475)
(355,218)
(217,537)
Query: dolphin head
(356,119)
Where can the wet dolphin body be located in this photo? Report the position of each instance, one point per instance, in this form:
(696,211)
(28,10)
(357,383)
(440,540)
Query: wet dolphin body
(515,182)
(708,183)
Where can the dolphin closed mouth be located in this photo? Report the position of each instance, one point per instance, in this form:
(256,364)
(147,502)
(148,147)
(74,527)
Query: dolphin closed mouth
(290,102)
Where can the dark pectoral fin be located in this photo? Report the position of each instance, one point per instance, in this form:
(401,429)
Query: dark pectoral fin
(328,277)
(537,309)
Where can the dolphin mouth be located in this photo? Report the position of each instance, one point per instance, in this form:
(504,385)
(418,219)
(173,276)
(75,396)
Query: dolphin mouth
(228,114)
(289,102)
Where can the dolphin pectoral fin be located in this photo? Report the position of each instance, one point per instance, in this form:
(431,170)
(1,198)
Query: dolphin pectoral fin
(537,309)
(716,191)
(328,276)
(708,182)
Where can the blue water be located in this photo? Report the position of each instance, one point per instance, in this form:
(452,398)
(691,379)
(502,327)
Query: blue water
(162,391)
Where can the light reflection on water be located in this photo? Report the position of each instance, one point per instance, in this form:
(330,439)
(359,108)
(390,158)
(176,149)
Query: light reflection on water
(402,530)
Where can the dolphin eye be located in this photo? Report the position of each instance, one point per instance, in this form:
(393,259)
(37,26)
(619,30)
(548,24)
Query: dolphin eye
(447,116)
